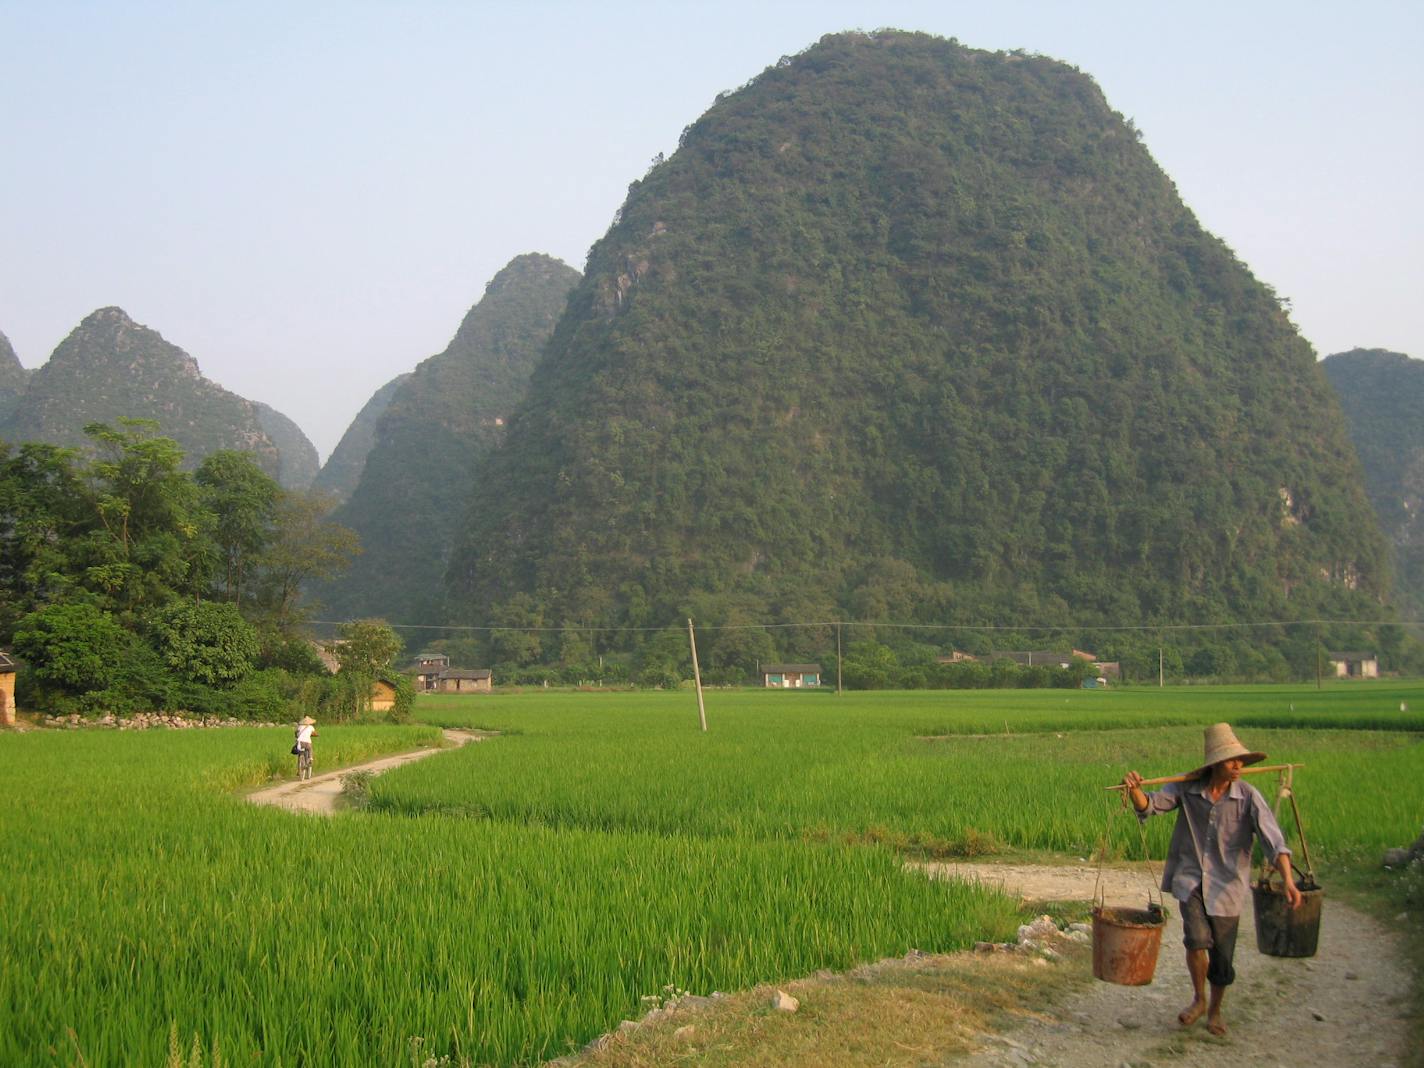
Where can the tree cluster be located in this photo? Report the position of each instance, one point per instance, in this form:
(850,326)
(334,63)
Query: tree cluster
(128,583)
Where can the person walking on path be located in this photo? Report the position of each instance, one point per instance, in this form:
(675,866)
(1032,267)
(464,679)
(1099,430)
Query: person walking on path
(306,731)
(1208,866)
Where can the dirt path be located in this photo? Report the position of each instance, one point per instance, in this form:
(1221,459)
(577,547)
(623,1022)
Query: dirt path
(319,793)
(1348,1005)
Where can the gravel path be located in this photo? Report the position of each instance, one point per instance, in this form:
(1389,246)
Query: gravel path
(1348,1005)
(319,793)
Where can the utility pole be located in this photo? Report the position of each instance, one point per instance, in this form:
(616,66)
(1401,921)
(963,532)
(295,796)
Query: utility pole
(697,676)
(1161,674)
(838,659)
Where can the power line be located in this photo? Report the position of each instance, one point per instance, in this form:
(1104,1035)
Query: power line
(976,627)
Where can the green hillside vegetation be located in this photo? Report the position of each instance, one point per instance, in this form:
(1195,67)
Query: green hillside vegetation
(907,331)
(1382,396)
(297,458)
(128,584)
(342,470)
(13,378)
(111,368)
(419,475)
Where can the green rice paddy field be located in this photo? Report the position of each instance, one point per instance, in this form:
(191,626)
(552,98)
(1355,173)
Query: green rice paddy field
(508,901)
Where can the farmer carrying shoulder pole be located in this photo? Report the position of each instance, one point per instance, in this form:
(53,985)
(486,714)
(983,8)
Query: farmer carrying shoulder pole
(1209,861)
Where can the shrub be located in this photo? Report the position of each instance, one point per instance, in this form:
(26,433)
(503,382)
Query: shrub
(206,641)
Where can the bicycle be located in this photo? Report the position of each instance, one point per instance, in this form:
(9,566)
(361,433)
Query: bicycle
(304,763)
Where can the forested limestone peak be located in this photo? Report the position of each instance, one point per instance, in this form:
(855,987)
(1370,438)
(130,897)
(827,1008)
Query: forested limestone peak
(109,368)
(439,423)
(342,470)
(11,370)
(1382,396)
(13,377)
(909,331)
(298,457)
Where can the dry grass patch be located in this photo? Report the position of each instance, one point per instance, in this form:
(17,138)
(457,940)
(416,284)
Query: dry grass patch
(900,1012)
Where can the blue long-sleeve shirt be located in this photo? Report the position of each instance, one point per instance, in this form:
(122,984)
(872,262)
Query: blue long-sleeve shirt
(1223,831)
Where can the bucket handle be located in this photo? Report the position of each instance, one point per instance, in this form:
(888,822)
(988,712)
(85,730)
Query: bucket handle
(1286,791)
(1153,885)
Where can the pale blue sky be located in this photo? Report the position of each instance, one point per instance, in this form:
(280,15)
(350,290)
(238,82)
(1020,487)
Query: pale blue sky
(307,197)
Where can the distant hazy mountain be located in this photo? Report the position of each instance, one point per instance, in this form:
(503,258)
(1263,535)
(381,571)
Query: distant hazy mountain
(342,470)
(13,377)
(299,459)
(1382,395)
(905,330)
(419,475)
(109,368)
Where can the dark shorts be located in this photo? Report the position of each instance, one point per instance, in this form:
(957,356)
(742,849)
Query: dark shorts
(1215,934)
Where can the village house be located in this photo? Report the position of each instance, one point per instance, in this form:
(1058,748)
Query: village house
(433,674)
(956,656)
(790,676)
(383,696)
(462,680)
(1354,665)
(7,689)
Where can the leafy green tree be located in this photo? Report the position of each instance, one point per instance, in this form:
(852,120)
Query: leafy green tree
(42,509)
(151,539)
(243,499)
(869,665)
(518,641)
(76,646)
(366,647)
(205,641)
(306,547)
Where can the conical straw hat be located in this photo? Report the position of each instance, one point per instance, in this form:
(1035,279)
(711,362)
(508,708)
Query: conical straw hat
(307,721)
(1220,743)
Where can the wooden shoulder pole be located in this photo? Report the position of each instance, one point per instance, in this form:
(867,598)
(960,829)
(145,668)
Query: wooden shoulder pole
(1189,778)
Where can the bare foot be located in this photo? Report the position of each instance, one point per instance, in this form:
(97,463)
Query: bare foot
(1216,1025)
(1192,1013)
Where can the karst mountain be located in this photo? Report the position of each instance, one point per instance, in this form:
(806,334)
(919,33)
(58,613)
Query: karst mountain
(905,331)
(1382,395)
(342,470)
(440,422)
(111,368)
(13,377)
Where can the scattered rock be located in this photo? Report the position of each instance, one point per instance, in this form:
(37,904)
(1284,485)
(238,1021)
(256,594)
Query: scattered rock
(1127,1023)
(1351,975)
(1396,858)
(781,1001)
(1318,1015)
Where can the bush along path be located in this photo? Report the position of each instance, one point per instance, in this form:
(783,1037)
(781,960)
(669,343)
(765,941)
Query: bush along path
(319,794)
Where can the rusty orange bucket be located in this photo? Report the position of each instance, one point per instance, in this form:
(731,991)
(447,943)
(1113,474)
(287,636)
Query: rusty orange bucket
(1126,943)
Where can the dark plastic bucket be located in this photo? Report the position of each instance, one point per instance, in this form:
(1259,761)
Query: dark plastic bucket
(1281,932)
(1126,943)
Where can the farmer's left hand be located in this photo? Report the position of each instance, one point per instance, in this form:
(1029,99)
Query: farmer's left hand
(1293,898)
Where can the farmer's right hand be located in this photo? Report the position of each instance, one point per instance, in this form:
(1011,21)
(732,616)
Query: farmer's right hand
(1132,780)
